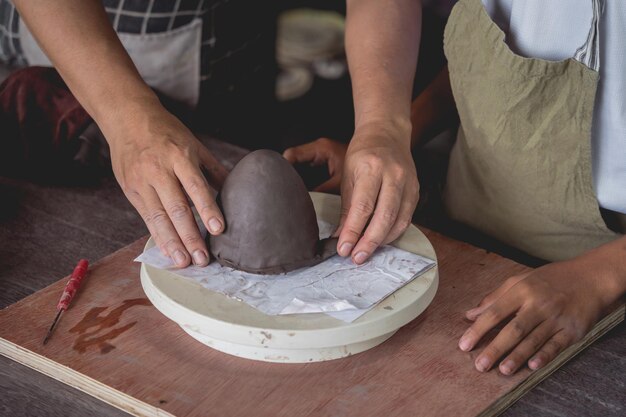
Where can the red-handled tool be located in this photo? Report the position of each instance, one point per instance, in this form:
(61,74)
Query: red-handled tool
(68,293)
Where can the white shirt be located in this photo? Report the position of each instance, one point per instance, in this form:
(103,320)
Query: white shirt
(553,30)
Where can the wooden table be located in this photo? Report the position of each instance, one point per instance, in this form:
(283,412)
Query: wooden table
(116,346)
(588,386)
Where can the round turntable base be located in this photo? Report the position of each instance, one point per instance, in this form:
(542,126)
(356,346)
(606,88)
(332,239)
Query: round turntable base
(238,329)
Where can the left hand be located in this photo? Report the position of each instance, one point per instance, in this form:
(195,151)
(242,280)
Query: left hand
(551,307)
(379,190)
(319,152)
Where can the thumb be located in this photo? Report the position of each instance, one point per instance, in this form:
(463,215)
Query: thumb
(491,298)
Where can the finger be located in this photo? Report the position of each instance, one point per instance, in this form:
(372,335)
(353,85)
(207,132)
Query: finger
(166,236)
(487,321)
(385,215)
(555,345)
(137,201)
(216,172)
(360,209)
(300,154)
(346,196)
(509,337)
(197,189)
(405,216)
(181,216)
(330,186)
(493,296)
(312,152)
(526,348)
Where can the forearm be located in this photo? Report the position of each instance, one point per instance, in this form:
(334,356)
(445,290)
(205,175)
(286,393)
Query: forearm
(79,40)
(433,109)
(382,43)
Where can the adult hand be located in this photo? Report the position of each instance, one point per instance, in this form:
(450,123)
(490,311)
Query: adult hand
(156,159)
(379,190)
(319,152)
(551,307)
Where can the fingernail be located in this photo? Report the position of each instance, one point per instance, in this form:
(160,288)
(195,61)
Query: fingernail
(360,257)
(180,258)
(214,225)
(507,367)
(345,249)
(472,312)
(482,364)
(534,364)
(464,344)
(199,257)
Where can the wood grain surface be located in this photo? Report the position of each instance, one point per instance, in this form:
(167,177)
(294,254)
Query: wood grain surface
(49,397)
(115,346)
(44,230)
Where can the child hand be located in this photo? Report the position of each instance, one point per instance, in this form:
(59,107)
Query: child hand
(551,308)
(319,152)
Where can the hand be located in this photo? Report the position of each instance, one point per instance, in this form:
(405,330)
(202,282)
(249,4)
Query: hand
(156,159)
(319,152)
(379,190)
(551,307)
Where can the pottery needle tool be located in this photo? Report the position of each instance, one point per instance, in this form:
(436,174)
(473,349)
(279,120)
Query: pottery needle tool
(69,292)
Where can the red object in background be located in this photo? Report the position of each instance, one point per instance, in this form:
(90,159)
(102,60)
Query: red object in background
(40,121)
(69,292)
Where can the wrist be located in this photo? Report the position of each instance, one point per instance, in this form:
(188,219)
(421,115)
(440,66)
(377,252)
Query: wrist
(607,267)
(396,129)
(128,115)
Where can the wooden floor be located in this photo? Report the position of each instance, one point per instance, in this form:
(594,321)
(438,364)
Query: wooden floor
(44,230)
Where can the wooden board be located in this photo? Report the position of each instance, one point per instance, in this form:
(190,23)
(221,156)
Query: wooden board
(114,345)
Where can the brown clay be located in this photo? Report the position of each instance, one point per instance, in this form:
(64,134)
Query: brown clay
(271,226)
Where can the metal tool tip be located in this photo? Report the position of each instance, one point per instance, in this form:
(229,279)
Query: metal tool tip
(54,323)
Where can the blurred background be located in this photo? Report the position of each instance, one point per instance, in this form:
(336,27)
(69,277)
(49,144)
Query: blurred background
(273,73)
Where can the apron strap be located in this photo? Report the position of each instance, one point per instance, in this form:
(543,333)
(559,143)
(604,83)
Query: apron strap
(589,53)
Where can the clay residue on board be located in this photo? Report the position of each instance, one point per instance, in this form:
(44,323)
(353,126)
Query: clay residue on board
(97,330)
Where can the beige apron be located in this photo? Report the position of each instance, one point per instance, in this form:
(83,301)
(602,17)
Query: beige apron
(520,169)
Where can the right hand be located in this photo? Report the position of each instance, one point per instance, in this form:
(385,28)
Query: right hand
(319,152)
(156,159)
